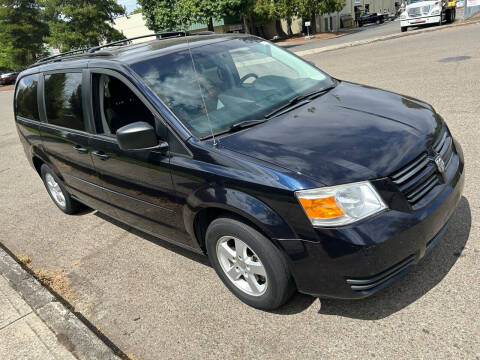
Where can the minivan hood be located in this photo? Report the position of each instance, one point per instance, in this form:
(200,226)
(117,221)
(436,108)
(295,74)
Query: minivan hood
(352,133)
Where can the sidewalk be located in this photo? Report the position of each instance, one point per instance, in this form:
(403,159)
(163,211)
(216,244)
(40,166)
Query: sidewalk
(321,49)
(35,325)
(23,335)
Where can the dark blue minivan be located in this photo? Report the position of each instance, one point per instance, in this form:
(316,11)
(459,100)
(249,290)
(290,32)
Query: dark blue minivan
(227,145)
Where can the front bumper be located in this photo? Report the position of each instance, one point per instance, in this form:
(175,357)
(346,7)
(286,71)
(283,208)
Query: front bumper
(356,261)
(420,21)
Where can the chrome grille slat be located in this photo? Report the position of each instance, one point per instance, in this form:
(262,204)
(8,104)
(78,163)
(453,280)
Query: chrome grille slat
(448,158)
(400,176)
(421,177)
(415,12)
(426,186)
(440,143)
(418,178)
(446,149)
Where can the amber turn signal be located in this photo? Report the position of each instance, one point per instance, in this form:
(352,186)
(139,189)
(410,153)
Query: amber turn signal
(321,208)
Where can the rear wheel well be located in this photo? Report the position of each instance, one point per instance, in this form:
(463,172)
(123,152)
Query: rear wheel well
(38,164)
(207,215)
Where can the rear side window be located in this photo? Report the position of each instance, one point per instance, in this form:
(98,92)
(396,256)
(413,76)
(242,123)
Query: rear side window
(63,100)
(26,98)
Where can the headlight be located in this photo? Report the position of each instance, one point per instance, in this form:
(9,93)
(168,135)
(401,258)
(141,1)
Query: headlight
(340,205)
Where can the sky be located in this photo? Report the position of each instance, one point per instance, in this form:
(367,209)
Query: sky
(129,4)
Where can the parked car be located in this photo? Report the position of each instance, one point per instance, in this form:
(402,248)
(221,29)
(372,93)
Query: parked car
(370,18)
(8,78)
(285,177)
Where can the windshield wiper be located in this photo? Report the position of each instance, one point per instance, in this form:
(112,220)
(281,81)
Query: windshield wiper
(236,127)
(245,124)
(297,99)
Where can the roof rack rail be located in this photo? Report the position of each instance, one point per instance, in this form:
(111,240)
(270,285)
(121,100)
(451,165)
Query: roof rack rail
(93,51)
(159,36)
(51,57)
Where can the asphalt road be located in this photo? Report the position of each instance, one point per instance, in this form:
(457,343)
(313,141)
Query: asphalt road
(366,32)
(156,301)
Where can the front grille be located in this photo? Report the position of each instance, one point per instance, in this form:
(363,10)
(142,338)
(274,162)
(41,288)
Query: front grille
(426,9)
(419,11)
(415,12)
(419,177)
(369,284)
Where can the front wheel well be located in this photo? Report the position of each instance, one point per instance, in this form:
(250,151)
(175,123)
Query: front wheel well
(38,164)
(205,216)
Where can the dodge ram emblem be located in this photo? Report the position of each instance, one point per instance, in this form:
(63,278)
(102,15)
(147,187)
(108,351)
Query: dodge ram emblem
(440,165)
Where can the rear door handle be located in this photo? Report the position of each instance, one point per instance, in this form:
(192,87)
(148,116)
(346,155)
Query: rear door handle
(80,149)
(101,155)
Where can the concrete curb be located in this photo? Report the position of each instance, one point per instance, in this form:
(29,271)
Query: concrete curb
(381,38)
(80,337)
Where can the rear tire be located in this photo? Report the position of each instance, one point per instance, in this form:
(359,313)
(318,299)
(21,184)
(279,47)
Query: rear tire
(57,191)
(248,263)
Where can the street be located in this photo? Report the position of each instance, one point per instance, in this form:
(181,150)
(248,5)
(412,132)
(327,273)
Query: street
(156,301)
(369,31)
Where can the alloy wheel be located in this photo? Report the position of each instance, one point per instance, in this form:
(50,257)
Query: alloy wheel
(242,265)
(55,190)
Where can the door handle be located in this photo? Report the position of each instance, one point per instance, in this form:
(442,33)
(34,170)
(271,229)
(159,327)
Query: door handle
(80,149)
(101,155)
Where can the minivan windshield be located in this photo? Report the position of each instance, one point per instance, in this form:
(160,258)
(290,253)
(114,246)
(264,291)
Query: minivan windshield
(241,79)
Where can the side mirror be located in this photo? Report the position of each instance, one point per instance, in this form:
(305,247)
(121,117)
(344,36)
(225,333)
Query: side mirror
(139,136)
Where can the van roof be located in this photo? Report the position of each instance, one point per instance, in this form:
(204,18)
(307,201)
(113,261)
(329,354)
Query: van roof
(127,54)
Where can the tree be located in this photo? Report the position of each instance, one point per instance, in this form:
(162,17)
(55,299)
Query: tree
(287,9)
(161,15)
(76,24)
(243,9)
(168,15)
(138,10)
(277,10)
(21,33)
(307,9)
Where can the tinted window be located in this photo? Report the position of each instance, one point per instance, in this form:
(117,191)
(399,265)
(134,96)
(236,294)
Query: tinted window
(63,100)
(115,105)
(26,98)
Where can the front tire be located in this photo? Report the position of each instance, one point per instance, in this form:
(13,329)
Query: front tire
(57,191)
(403,28)
(248,263)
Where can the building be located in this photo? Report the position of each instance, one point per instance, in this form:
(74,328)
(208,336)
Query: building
(134,25)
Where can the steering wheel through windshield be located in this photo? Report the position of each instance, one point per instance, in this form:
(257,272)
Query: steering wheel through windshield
(249,75)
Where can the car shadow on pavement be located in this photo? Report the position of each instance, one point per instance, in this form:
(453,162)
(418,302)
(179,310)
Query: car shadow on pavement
(297,304)
(420,280)
(165,244)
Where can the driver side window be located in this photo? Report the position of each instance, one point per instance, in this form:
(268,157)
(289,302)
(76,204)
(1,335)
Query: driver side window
(115,105)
